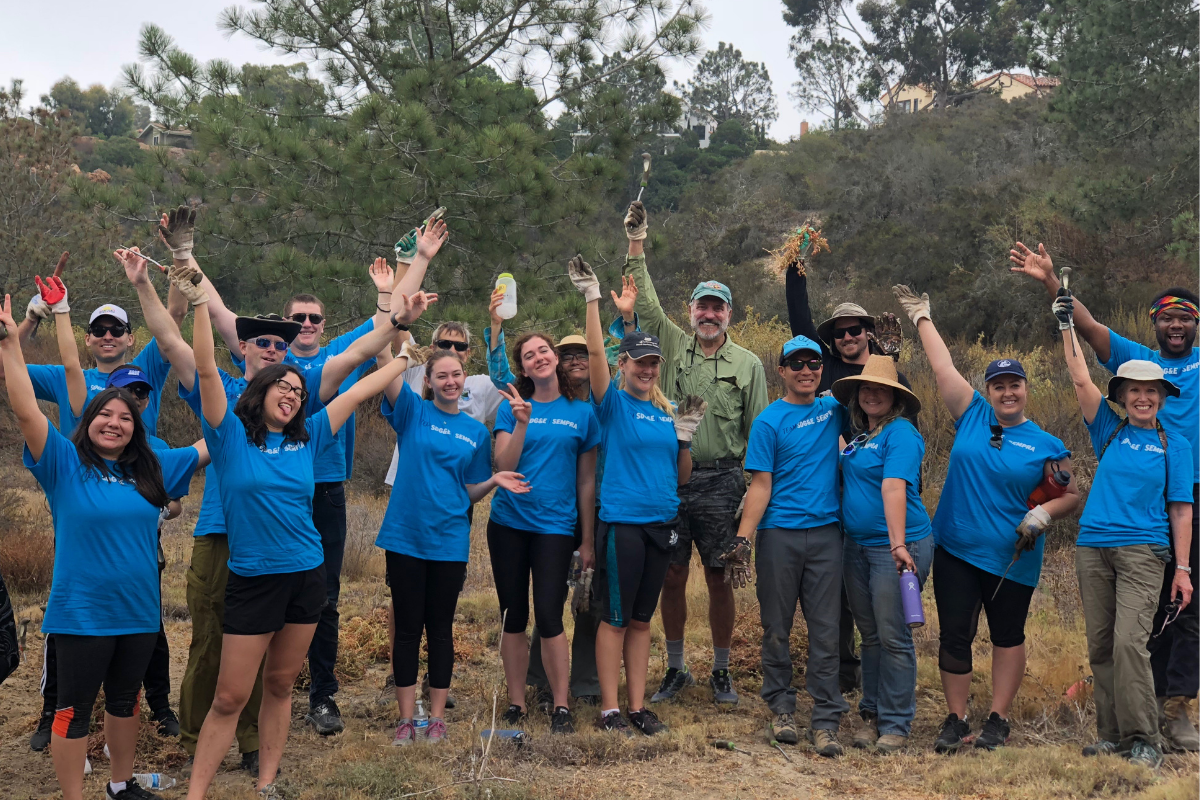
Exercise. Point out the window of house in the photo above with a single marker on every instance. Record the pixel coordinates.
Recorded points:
(700, 132)
(904, 106)
(916, 105)
(156, 138)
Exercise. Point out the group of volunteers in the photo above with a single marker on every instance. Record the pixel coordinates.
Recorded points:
(609, 479)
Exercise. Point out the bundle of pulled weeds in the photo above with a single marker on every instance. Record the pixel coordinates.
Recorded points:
(802, 245)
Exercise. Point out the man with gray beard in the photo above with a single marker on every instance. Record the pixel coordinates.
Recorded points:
(706, 363)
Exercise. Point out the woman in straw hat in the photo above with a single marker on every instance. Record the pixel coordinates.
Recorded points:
(887, 531)
(1139, 506)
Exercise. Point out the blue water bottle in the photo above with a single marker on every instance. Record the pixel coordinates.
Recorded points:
(910, 598)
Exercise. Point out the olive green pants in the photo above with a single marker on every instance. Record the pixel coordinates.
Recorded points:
(206, 579)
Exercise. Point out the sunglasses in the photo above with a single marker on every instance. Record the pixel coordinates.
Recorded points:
(315, 319)
(117, 329)
(797, 364)
(853, 330)
(448, 344)
(1170, 614)
(284, 386)
(855, 443)
(139, 390)
(267, 344)
(567, 358)
(997, 439)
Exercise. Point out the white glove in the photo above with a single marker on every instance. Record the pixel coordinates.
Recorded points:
(37, 310)
(584, 278)
(187, 281)
(916, 307)
(688, 416)
(1032, 526)
(636, 221)
(416, 355)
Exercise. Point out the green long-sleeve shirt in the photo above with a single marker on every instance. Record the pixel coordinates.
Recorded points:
(731, 380)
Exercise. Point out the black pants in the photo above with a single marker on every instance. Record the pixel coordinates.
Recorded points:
(518, 554)
(157, 680)
(1175, 655)
(87, 662)
(424, 597)
(329, 517)
(961, 591)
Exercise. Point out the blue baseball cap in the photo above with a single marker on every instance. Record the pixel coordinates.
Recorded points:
(796, 345)
(712, 289)
(127, 376)
(1004, 366)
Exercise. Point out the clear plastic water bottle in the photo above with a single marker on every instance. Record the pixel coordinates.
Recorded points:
(421, 721)
(154, 780)
(575, 573)
(508, 306)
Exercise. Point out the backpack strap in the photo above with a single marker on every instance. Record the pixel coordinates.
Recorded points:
(1116, 432)
(1162, 438)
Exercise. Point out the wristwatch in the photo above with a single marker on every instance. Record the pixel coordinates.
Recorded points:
(1182, 568)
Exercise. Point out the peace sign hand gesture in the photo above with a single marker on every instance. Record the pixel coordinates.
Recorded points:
(521, 408)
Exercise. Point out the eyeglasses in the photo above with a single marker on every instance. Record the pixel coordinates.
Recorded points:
(117, 329)
(447, 344)
(853, 330)
(286, 387)
(797, 364)
(1170, 614)
(567, 358)
(855, 443)
(315, 319)
(139, 390)
(267, 344)
(997, 439)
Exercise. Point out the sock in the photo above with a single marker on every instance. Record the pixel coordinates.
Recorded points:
(720, 658)
(675, 654)
(608, 711)
(116, 788)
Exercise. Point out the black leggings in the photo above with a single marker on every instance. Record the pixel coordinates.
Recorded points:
(86, 662)
(636, 568)
(961, 590)
(424, 596)
(516, 553)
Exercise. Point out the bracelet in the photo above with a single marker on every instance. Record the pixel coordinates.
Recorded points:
(1182, 568)
(384, 310)
(384, 293)
(897, 547)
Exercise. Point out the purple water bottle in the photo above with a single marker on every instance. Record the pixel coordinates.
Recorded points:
(910, 598)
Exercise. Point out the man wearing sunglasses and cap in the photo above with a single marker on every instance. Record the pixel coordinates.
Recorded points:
(706, 363)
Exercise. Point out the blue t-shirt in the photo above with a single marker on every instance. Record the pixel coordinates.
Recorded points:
(50, 384)
(640, 483)
(105, 541)
(270, 490)
(439, 454)
(1128, 500)
(985, 495)
(1179, 414)
(896, 452)
(798, 445)
(557, 434)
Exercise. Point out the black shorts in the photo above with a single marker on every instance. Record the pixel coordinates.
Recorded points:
(636, 560)
(961, 590)
(265, 603)
(707, 504)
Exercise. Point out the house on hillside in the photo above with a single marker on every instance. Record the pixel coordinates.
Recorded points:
(1009, 85)
(158, 135)
(701, 124)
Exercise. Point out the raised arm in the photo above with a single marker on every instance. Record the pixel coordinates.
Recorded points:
(800, 318)
(1039, 267)
(30, 419)
(430, 239)
(650, 311)
(342, 406)
(177, 231)
(53, 293)
(499, 369)
(588, 284)
(955, 391)
(162, 327)
(368, 346)
(213, 402)
(1089, 396)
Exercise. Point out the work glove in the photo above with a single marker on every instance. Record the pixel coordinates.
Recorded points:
(888, 335)
(1032, 526)
(406, 248)
(688, 416)
(415, 354)
(1064, 309)
(186, 279)
(737, 562)
(37, 310)
(53, 293)
(636, 221)
(584, 278)
(916, 307)
(581, 595)
(179, 232)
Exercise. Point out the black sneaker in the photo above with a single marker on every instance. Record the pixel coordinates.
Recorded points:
(994, 733)
(325, 717)
(615, 723)
(561, 722)
(674, 682)
(647, 722)
(722, 687)
(249, 762)
(954, 734)
(132, 791)
(168, 723)
(40, 739)
(515, 715)
(545, 700)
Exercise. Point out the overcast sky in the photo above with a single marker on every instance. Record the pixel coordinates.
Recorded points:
(90, 40)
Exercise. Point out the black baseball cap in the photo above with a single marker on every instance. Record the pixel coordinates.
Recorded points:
(639, 345)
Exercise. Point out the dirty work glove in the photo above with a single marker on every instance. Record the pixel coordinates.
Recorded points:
(415, 354)
(53, 293)
(581, 595)
(179, 232)
(187, 280)
(687, 417)
(636, 221)
(584, 278)
(1064, 309)
(1032, 526)
(916, 307)
(406, 248)
(737, 563)
(888, 335)
(37, 310)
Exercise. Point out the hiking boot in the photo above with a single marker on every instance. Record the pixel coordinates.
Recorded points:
(783, 728)
(866, 736)
(647, 722)
(132, 791)
(515, 715)
(825, 742)
(437, 730)
(406, 734)
(168, 723)
(615, 723)
(40, 739)
(1145, 754)
(545, 700)
(674, 682)
(1179, 734)
(722, 687)
(249, 762)
(387, 695)
(561, 722)
(1100, 748)
(425, 692)
(325, 717)
(891, 743)
(994, 734)
(954, 734)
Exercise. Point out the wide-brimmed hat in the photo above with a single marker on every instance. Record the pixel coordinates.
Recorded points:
(267, 325)
(880, 370)
(573, 339)
(1139, 371)
(844, 311)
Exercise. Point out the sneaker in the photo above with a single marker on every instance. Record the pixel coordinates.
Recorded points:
(387, 695)
(437, 730)
(891, 743)
(133, 791)
(270, 791)
(545, 700)
(868, 735)
(249, 762)
(40, 739)
(647, 722)
(168, 723)
(994, 733)
(825, 742)
(674, 682)
(425, 691)
(325, 717)
(406, 734)
(954, 734)
(561, 721)
(1145, 754)
(1100, 748)
(722, 687)
(588, 699)
(613, 722)
(783, 728)
(1178, 732)
(515, 715)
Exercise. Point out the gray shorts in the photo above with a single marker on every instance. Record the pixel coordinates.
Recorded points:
(707, 504)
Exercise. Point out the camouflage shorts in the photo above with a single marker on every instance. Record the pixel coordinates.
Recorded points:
(707, 504)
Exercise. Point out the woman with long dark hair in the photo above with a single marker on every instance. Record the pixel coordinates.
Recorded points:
(548, 436)
(106, 488)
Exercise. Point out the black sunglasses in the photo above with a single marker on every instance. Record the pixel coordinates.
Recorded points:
(284, 386)
(448, 344)
(567, 358)
(997, 440)
(139, 390)
(117, 329)
(797, 364)
(853, 330)
(315, 319)
(267, 344)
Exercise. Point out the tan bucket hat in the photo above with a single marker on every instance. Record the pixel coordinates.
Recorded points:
(845, 310)
(574, 338)
(1139, 371)
(880, 370)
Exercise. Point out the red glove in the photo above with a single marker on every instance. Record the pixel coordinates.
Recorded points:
(52, 291)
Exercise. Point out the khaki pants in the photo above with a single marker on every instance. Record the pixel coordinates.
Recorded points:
(1119, 587)
(206, 579)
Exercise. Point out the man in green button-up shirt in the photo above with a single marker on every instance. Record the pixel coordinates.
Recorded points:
(705, 362)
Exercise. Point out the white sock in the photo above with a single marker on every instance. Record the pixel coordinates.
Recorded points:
(116, 788)
(608, 711)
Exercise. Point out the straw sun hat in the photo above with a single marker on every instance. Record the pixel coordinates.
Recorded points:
(880, 370)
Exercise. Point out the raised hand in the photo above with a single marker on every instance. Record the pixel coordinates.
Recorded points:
(512, 481)
(636, 221)
(494, 304)
(415, 354)
(688, 416)
(1063, 309)
(37, 310)
(628, 298)
(584, 278)
(888, 335)
(521, 408)
(177, 230)
(7, 322)
(431, 238)
(406, 247)
(134, 264)
(917, 307)
(1036, 265)
(186, 279)
(382, 275)
(53, 293)
(407, 310)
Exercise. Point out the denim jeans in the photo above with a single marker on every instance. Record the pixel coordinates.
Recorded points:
(889, 659)
(329, 517)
